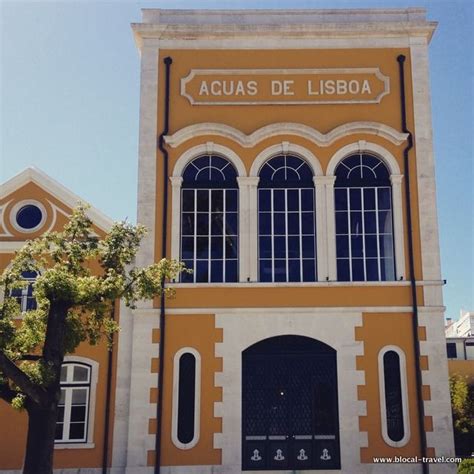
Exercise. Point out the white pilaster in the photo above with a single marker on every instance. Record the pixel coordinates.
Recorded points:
(321, 218)
(252, 185)
(176, 182)
(398, 234)
(331, 228)
(425, 161)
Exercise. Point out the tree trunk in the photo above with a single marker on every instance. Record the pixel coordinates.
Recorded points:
(40, 442)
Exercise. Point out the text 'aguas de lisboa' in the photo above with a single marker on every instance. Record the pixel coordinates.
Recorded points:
(242, 88)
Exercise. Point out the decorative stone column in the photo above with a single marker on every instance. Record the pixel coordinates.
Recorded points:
(321, 238)
(398, 233)
(328, 182)
(248, 228)
(176, 182)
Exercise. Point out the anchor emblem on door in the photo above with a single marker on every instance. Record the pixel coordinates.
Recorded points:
(279, 455)
(256, 455)
(325, 456)
(302, 456)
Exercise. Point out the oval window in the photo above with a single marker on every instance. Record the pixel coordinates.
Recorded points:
(393, 396)
(186, 398)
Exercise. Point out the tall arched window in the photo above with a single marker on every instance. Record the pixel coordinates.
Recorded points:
(364, 229)
(209, 220)
(287, 226)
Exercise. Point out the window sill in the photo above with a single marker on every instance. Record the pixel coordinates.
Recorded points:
(313, 284)
(74, 445)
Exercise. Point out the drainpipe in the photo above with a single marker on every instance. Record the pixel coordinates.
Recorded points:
(415, 323)
(161, 145)
(108, 395)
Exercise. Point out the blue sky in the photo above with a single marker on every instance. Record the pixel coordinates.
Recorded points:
(69, 96)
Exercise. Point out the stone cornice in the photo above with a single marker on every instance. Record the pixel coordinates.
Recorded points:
(283, 24)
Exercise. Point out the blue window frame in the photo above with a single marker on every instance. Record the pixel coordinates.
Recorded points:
(287, 225)
(209, 220)
(364, 222)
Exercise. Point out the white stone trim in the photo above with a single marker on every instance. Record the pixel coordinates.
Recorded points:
(404, 390)
(286, 309)
(176, 183)
(73, 446)
(94, 377)
(321, 230)
(247, 229)
(426, 183)
(206, 149)
(11, 246)
(285, 148)
(399, 233)
(284, 128)
(25, 202)
(147, 153)
(439, 405)
(141, 381)
(283, 72)
(330, 227)
(54, 188)
(197, 399)
(249, 328)
(122, 387)
(282, 28)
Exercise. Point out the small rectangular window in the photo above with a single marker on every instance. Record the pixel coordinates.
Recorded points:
(451, 350)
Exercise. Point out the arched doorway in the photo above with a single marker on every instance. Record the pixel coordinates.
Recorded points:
(289, 405)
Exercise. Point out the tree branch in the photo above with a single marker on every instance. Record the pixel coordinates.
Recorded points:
(7, 393)
(17, 376)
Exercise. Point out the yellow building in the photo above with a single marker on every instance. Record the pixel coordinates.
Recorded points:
(286, 157)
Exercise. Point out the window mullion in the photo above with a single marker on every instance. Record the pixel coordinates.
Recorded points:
(67, 413)
(300, 219)
(379, 262)
(364, 256)
(209, 215)
(195, 237)
(286, 236)
(349, 231)
(224, 227)
(272, 214)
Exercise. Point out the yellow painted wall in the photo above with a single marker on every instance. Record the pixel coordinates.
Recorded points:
(198, 332)
(465, 368)
(321, 116)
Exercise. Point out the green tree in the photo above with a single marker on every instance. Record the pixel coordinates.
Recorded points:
(74, 304)
(462, 404)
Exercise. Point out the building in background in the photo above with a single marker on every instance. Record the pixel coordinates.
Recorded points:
(460, 345)
(286, 157)
(463, 327)
(31, 204)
